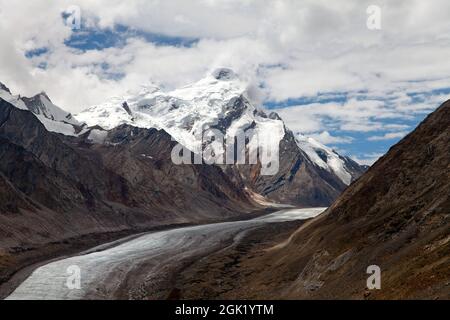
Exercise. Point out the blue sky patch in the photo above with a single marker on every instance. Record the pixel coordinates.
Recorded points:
(36, 52)
(99, 39)
(363, 145)
(336, 97)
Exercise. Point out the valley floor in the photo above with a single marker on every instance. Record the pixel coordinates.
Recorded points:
(17, 264)
(191, 262)
(235, 272)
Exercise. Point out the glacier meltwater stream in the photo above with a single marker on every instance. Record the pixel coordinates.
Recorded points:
(104, 270)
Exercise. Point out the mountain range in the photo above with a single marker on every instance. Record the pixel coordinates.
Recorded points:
(310, 173)
(108, 169)
(70, 181)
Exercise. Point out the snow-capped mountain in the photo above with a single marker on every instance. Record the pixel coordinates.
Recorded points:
(4, 88)
(15, 100)
(326, 158)
(309, 173)
(52, 117)
(185, 113)
(41, 105)
(218, 101)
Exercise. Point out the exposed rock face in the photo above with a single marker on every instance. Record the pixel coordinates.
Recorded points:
(298, 181)
(396, 216)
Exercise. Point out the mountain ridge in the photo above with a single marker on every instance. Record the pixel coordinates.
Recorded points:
(220, 102)
(216, 102)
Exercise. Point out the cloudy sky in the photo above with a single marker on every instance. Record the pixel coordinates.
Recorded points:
(316, 62)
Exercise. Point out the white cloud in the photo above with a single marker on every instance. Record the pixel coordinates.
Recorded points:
(352, 115)
(388, 136)
(311, 46)
(326, 138)
(368, 159)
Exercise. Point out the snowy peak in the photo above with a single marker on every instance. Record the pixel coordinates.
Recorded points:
(41, 105)
(326, 158)
(6, 95)
(224, 74)
(51, 116)
(184, 113)
(4, 88)
(218, 101)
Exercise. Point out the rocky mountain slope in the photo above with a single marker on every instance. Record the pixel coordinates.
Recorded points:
(56, 187)
(396, 216)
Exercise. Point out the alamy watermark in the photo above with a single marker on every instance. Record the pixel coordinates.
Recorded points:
(73, 281)
(374, 280)
(243, 147)
(72, 17)
(373, 17)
